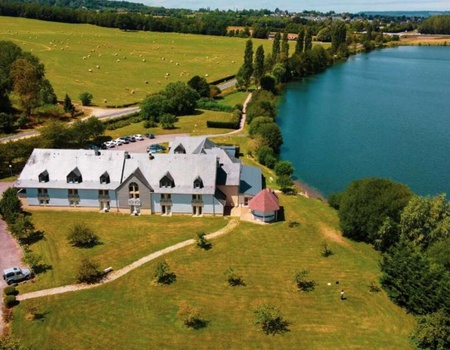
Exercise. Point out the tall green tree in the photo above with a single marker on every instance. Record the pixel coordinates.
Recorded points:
(245, 73)
(284, 50)
(308, 40)
(299, 44)
(258, 70)
(276, 47)
(367, 203)
(433, 331)
(339, 37)
(55, 134)
(10, 205)
(426, 220)
(180, 98)
(200, 85)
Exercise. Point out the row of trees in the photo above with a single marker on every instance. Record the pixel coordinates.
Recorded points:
(413, 232)
(436, 25)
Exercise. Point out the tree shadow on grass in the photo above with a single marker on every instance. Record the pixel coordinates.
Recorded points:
(42, 268)
(167, 279)
(35, 237)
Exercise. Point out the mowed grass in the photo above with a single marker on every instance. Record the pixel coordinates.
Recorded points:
(124, 239)
(125, 60)
(191, 124)
(133, 313)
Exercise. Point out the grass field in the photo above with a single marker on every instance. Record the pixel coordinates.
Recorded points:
(133, 313)
(126, 60)
(123, 240)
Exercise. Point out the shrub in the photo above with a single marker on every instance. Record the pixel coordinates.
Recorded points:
(270, 320)
(222, 125)
(149, 124)
(10, 290)
(88, 272)
(292, 224)
(302, 283)
(233, 278)
(82, 236)
(190, 317)
(202, 242)
(334, 200)
(163, 275)
(326, 251)
(86, 98)
(10, 301)
(374, 288)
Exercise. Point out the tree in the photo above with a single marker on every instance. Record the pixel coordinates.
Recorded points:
(426, 220)
(433, 331)
(23, 227)
(163, 275)
(268, 317)
(258, 65)
(245, 73)
(301, 281)
(10, 205)
(88, 272)
(233, 278)
(299, 41)
(285, 183)
(412, 281)
(284, 50)
(439, 253)
(55, 134)
(276, 47)
(68, 106)
(271, 135)
(82, 236)
(180, 99)
(167, 121)
(86, 98)
(202, 242)
(365, 205)
(6, 122)
(339, 37)
(266, 156)
(256, 124)
(279, 72)
(308, 40)
(284, 168)
(26, 78)
(200, 85)
(190, 316)
(268, 83)
(153, 106)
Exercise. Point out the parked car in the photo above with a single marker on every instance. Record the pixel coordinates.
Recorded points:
(155, 148)
(109, 144)
(131, 138)
(124, 140)
(150, 135)
(16, 274)
(138, 137)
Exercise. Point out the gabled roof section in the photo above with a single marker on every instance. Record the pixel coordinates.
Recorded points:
(44, 176)
(192, 144)
(179, 149)
(167, 181)
(265, 201)
(74, 176)
(198, 182)
(251, 180)
(137, 173)
(104, 178)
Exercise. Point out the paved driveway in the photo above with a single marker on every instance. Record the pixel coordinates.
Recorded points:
(10, 252)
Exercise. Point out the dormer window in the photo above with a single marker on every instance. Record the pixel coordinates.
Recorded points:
(104, 178)
(74, 177)
(198, 183)
(167, 181)
(43, 177)
(180, 149)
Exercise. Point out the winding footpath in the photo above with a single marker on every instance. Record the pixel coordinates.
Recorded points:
(233, 223)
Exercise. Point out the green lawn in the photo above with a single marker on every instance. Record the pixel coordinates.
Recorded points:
(69, 51)
(133, 313)
(124, 239)
(190, 124)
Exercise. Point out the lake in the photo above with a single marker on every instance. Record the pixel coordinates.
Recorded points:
(382, 114)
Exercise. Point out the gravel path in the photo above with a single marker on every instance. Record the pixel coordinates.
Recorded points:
(119, 273)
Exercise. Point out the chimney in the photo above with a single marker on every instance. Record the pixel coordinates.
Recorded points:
(126, 155)
(97, 152)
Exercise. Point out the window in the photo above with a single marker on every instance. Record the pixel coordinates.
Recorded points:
(133, 190)
(43, 196)
(74, 176)
(198, 183)
(102, 192)
(104, 178)
(166, 196)
(44, 177)
(167, 181)
(196, 197)
(74, 199)
(180, 149)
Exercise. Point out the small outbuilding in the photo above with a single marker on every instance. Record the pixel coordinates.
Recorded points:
(265, 206)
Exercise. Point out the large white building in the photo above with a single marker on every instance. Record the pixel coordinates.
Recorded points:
(196, 177)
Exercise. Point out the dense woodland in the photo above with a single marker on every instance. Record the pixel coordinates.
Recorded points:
(436, 25)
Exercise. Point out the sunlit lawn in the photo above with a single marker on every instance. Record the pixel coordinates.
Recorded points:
(125, 60)
(133, 313)
(124, 239)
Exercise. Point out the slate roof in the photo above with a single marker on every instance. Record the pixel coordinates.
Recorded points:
(265, 201)
(192, 144)
(250, 180)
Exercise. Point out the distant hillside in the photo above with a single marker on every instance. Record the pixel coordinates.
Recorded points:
(405, 13)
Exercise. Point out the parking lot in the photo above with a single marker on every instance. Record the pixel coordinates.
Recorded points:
(141, 146)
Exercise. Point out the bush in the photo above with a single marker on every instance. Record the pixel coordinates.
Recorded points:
(302, 283)
(266, 156)
(82, 236)
(270, 320)
(233, 278)
(190, 317)
(10, 290)
(334, 200)
(10, 301)
(163, 275)
(202, 242)
(86, 98)
(89, 272)
(222, 125)
(150, 124)
(326, 251)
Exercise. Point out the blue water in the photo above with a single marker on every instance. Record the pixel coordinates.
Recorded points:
(382, 114)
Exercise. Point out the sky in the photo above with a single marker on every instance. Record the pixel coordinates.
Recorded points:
(352, 6)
